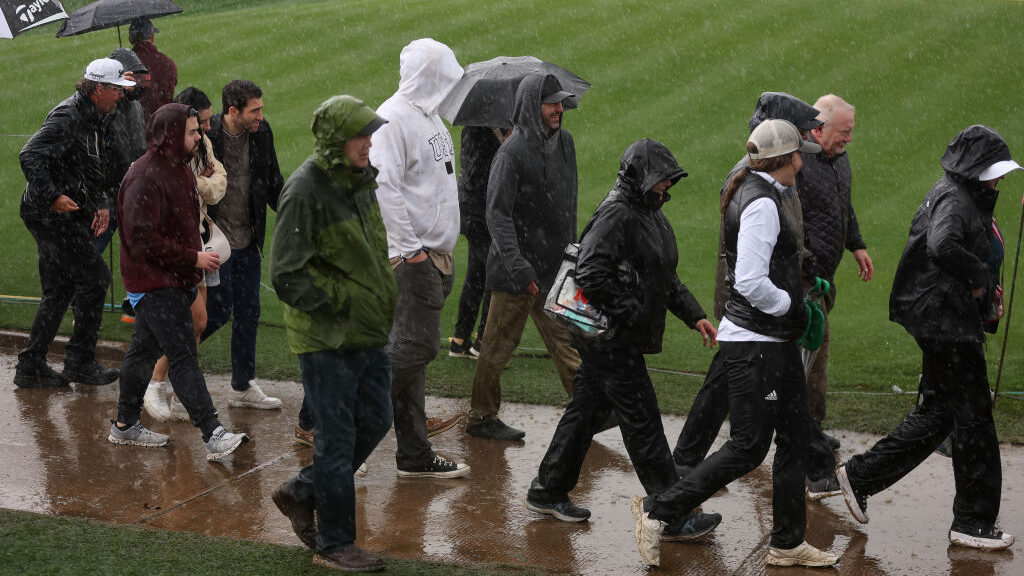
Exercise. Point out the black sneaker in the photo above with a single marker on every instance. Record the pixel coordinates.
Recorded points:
(693, 525)
(92, 373)
(824, 488)
(857, 503)
(565, 511)
(988, 538)
(300, 514)
(439, 467)
(29, 375)
(476, 348)
(463, 350)
(495, 429)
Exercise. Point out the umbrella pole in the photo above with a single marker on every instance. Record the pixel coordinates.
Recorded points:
(119, 45)
(1009, 308)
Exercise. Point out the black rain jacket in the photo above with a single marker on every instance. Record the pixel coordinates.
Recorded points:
(266, 174)
(946, 255)
(628, 254)
(531, 198)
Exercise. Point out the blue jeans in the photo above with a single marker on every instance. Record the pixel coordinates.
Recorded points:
(238, 293)
(349, 395)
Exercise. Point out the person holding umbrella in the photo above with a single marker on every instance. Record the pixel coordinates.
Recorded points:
(531, 215)
(163, 71)
(936, 296)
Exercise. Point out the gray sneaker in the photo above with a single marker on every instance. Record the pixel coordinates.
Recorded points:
(222, 443)
(137, 435)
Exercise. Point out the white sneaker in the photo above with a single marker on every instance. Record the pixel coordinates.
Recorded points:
(222, 443)
(647, 532)
(802, 555)
(362, 471)
(178, 412)
(253, 398)
(155, 401)
(991, 538)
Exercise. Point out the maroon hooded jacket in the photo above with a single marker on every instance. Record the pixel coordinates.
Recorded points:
(158, 210)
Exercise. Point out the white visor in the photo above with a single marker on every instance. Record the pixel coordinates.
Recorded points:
(998, 170)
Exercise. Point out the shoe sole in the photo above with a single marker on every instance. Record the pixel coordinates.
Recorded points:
(787, 561)
(89, 381)
(216, 456)
(254, 405)
(452, 474)
(321, 561)
(976, 542)
(124, 442)
(552, 512)
(448, 426)
(276, 497)
(461, 355)
(511, 438)
(851, 499)
(362, 471)
(637, 508)
(819, 496)
(38, 383)
(688, 537)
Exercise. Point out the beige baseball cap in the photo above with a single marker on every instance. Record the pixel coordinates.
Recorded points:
(777, 138)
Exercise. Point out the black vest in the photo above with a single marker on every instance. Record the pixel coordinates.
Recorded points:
(783, 268)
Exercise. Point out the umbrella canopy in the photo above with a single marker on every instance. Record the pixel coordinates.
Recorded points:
(16, 16)
(486, 94)
(110, 13)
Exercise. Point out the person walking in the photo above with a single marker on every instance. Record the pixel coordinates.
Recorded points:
(759, 355)
(163, 72)
(936, 293)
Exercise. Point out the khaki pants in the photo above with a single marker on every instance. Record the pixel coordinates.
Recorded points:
(506, 319)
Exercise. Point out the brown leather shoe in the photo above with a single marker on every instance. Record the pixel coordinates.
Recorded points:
(436, 426)
(300, 515)
(303, 436)
(351, 558)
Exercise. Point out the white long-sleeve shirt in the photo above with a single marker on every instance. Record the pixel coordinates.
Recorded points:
(758, 234)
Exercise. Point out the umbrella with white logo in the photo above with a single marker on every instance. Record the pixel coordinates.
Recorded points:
(21, 15)
(111, 13)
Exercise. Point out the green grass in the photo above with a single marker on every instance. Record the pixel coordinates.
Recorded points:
(34, 544)
(686, 73)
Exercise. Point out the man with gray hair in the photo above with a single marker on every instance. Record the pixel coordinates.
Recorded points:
(830, 227)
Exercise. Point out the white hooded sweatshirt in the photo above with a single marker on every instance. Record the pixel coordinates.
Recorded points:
(416, 186)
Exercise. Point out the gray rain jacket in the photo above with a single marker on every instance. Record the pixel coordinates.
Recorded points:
(531, 198)
(945, 258)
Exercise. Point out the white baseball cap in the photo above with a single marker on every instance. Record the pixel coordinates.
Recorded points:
(776, 137)
(998, 170)
(107, 71)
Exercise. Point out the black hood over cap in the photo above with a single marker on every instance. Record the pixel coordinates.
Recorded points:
(972, 150)
(645, 163)
(783, 106)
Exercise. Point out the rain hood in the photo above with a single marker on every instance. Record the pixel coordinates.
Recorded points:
(335, 122)
(165, 132)
(645, 163)
(526, 117)
(428, 71)
(975, 148)
(782, 106)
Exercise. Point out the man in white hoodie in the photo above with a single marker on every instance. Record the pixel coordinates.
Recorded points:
(418, 197)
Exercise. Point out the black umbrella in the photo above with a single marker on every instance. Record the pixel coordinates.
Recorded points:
(486, 94)
(110, 13)
(16, 16)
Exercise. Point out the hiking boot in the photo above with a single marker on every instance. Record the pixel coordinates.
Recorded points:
(298, 513)
(692, 526)
(351, 558)
(495, 429)
(37, 375)
(857, 504)
(463, 350)
(833, 442)
(90, 373)
(439, 467)
(647, 533)
(253, 397)
(362, 471)
(302, 436)
(136, 435)
(222, 443)
(565, 511)
(156, 403)
(989, 538)
(825, 488)
(802, 555)
(436, 426)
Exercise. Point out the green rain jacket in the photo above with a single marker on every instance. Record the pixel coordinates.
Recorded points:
(329, 260)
